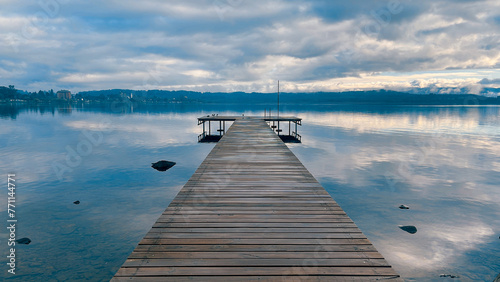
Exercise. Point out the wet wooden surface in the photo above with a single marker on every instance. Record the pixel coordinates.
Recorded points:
(252, 212)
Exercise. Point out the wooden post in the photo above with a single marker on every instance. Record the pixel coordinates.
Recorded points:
(278, 102)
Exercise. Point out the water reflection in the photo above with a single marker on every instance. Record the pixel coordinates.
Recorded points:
(443, 162)
(64, 109)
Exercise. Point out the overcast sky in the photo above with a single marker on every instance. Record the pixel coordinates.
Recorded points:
(243, 45)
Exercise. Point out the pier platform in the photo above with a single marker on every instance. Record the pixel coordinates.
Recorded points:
(252, 212)
(213, 133)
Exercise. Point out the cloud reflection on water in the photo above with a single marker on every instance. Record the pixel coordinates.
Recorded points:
(445, 166)
(445, 162)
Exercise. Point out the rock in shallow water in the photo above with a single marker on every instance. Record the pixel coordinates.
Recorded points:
(449, 275)
(162, 165)
(408, 228)
(25, 241)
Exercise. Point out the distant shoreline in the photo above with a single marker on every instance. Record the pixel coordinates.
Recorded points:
(372, 97)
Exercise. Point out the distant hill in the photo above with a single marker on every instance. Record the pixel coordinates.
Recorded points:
(352, 97)
(383, 97)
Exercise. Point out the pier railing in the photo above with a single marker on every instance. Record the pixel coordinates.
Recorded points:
(214, 134)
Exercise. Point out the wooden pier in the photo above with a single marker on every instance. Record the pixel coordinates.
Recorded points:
(210, 135)
(252, 212)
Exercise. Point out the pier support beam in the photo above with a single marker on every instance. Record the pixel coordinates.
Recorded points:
(275, 124)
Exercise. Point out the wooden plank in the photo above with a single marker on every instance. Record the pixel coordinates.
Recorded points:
(265, 226)
(351, 229)
(258, 270)
(250, 220)
(203, 203)
(257, 208)
(255, 255)
(252, 262)
(260, 217)
(251, 193)
(253, 241)
(252, 212)
(253, 201)
(256, 248)
(234, 212)
(247, 235)
(261, 227)
(261, 278)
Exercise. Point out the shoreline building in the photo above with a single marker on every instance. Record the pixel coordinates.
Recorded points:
(64, 94)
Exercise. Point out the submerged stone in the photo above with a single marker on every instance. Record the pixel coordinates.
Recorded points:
(162, 165)
(408, 228)
(24, 241)
(449, 275)
(404, 207)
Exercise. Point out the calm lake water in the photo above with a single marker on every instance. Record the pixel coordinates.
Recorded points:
(443, 162)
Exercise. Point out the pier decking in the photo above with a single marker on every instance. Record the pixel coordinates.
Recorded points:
(252, 212)
(207, 135)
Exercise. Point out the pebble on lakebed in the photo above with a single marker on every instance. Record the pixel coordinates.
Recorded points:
(449, 275)
(24, 241)
(162, 165)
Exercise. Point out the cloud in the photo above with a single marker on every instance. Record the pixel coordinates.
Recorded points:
(243, 45)
(490, 81)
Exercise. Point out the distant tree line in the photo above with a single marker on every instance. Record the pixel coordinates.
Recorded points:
(8, 92)
(164, 96)
(11, 93)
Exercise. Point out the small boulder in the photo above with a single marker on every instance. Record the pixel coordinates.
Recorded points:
(408, 228)
(25, 241)
(404, 207)
(449, 275)
(162, 165)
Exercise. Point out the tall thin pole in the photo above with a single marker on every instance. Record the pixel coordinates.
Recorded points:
(278, 99)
